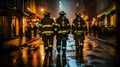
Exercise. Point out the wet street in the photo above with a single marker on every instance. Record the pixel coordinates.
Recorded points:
(59, 33)
(33, 55)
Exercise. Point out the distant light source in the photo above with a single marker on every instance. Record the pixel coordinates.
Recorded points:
(60, 5)
(54, 18)
(33, 20)
(82, 15)
(77, 4)
(42, 10)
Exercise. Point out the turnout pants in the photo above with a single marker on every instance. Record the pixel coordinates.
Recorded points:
(79, 39)
(48, 42)
(61, 42)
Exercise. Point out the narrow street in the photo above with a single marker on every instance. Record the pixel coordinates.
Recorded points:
(59, 33)
(31, 56)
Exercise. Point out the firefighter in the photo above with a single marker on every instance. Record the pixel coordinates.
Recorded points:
(63, 30)
(79, 29)
(46, 31)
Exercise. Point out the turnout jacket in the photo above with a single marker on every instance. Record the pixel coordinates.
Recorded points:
(79, 26)
(46, 26)
(62, 25)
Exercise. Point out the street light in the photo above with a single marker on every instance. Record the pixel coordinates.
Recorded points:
(42, 9)
(60, 5)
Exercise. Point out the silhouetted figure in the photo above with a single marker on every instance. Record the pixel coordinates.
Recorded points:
(35, 28)
(21, 32)
(46, 29)
(28, 32)
(58, 62)
(79, 30)
(63, 30)
(96, 30)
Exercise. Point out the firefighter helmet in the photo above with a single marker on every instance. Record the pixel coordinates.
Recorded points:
(62, 12)
(77, 14)
(47, 13)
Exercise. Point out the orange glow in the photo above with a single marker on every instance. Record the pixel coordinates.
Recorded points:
(14, 17)
(85, 17)
(82, 16)
(54, 18)
(35, 60)
(24, 55)
(42, 9)
(34, 20)
(100, 15)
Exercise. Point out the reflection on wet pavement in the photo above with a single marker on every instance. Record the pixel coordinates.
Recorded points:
(98, 52)
(95, 53)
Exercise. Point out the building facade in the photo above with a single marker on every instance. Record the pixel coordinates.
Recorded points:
(14, 16)
(106, 13)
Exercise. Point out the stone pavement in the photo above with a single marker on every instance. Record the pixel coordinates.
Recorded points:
(98, 52)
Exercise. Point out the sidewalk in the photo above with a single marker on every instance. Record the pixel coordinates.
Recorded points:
(14, 44)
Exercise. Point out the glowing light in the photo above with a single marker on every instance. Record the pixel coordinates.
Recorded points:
(60, 2)
(54, 18)
(100, 15)
(60, 5)
(42, 9)
(34, 20)
(82, 16)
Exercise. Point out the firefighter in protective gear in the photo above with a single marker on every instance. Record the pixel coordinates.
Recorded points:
(63, 28)
(79, 29)
(46, 31)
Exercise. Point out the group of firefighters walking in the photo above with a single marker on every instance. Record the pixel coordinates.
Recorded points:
(61, 28)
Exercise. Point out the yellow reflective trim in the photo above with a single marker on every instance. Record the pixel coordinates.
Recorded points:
(47, 32)
(56, 24)
(63, 47)
(59, 31)
(73, 24)
(84, 25)
(46, 26)
(81, 44)
(75, 31)
(58, 46)
(50, 45)
(40, 24)
(46, 47)
(53, 23)
(79, 31)
(39, 31)
(68, 24)
(55, 29)
(64, 31)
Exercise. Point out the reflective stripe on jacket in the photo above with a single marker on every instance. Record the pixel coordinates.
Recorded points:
(47, 32)
(44, 26)
(62, 31)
